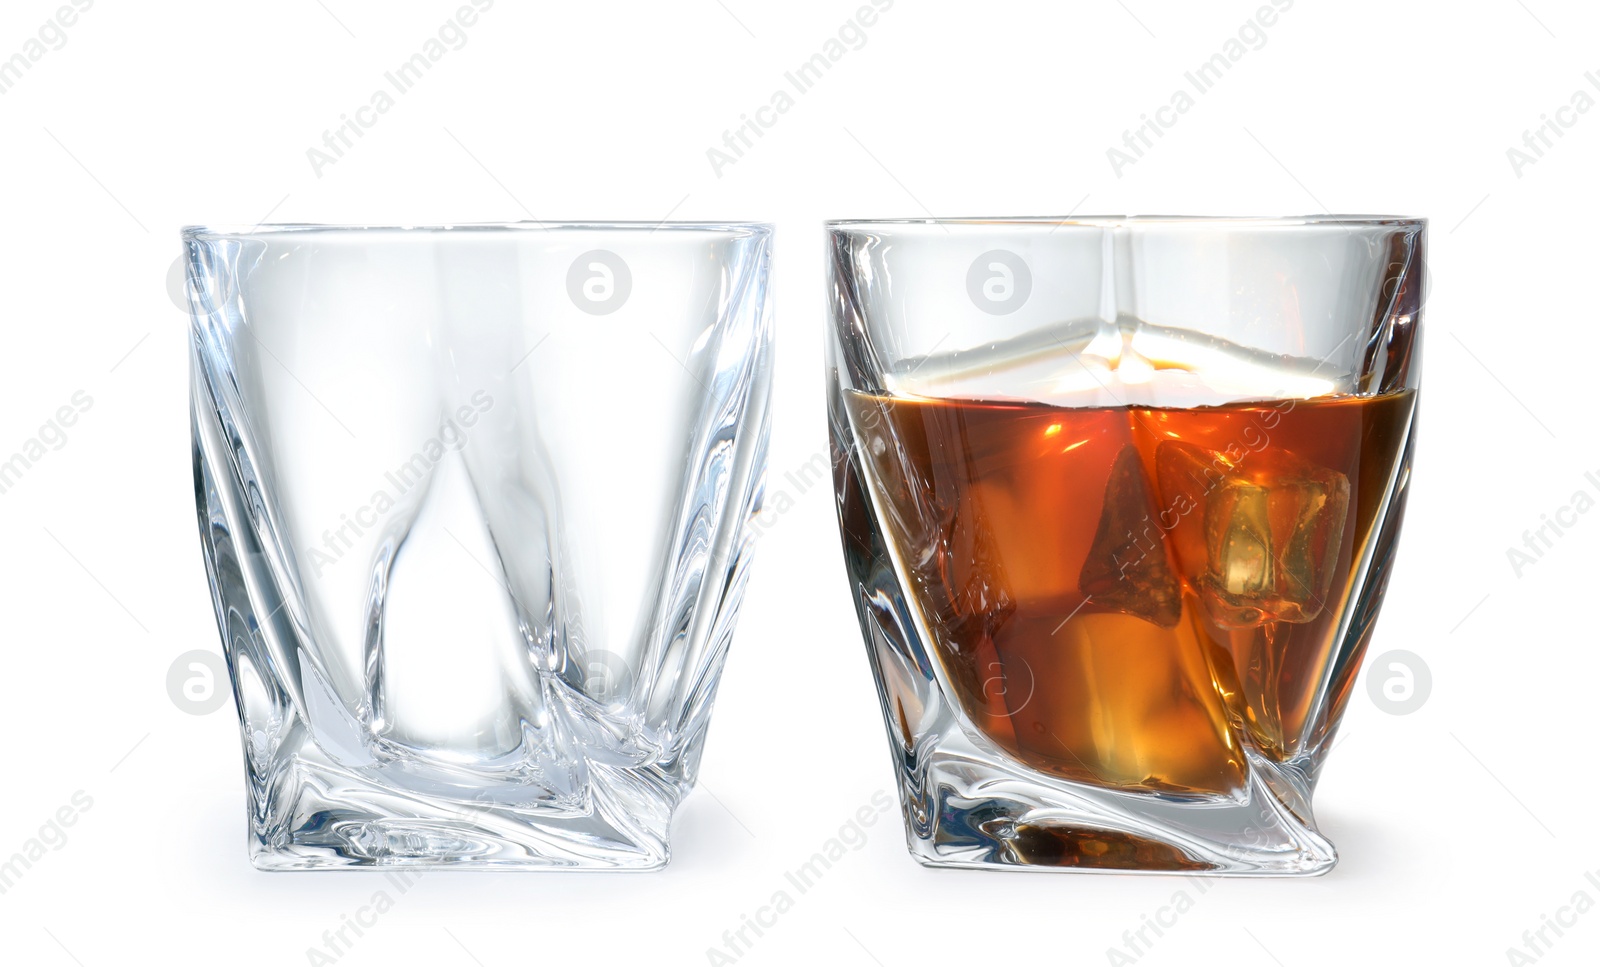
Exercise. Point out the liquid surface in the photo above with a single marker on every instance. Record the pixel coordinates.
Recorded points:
(1126, 595)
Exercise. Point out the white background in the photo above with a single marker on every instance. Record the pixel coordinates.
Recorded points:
(1459, 825)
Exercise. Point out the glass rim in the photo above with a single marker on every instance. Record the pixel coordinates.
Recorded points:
(735, 229)
(1110, 221)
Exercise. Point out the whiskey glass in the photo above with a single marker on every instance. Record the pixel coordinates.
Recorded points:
(1119, 500)
(476, 503)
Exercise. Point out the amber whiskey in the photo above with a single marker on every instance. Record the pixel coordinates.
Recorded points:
(1133, 596)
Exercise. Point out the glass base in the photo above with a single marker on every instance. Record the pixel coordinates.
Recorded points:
(970, 810)
(315, 817)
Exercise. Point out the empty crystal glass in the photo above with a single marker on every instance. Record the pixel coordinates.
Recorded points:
(1119, 498)
(475, 504)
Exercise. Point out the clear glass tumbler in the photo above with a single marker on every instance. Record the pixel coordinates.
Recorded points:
(1119, 498)
(475, 503)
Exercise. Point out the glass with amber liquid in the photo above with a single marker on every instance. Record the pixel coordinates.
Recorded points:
(1117, 557)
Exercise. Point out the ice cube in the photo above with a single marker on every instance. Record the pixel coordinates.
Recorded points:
(1127, 568)
(1257, 534)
